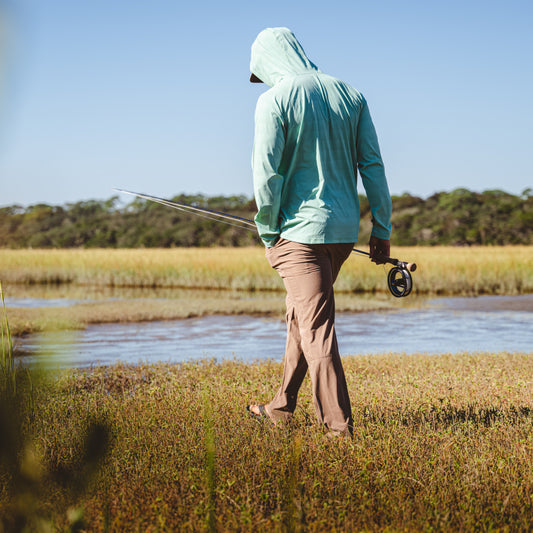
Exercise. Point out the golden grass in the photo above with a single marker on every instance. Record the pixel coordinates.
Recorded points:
(217, 268)
(441, 443)
(442, 270)
(473, 270)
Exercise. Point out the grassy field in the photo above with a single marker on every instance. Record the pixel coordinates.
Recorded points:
(441, 443)
(442, 270)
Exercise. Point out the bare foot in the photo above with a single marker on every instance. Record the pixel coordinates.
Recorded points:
(254, 409)
(258, 412)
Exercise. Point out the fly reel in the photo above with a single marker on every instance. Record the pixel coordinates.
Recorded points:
(400, 281)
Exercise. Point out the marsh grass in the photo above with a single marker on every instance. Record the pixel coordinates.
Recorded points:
(441, 443)
(442, 270)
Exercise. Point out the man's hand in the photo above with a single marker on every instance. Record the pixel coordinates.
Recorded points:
(379, 248)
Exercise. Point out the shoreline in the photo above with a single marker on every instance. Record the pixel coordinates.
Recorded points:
(28, 320)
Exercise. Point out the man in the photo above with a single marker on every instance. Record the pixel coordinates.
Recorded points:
(312, 133)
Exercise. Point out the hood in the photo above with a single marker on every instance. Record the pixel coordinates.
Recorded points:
(276, 53)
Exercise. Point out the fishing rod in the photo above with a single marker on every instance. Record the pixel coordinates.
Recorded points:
(399, 279)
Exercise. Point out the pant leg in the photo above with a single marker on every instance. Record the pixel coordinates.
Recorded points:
(283, 404)
(308, 272)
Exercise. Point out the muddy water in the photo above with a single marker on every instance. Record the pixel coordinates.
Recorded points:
(492, 324)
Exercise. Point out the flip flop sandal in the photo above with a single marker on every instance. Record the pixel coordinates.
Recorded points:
(262, 416)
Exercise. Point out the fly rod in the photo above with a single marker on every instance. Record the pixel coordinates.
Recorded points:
(399, 279)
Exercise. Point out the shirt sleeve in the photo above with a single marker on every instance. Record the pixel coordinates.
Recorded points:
(269, 142)
(372, 172)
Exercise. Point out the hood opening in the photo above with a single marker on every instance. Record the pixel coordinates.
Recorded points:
(276, 54)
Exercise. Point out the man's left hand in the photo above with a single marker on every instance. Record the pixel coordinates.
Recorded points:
(379, 249)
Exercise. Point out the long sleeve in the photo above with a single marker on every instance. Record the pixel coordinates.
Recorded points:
(372, 172)
(269, 141)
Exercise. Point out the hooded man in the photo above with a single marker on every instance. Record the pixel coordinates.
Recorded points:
(312, 134)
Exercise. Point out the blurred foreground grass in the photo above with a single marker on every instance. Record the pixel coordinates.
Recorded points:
(441, 443)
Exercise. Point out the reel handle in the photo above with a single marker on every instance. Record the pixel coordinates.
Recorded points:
(411, 267)
(402, 264)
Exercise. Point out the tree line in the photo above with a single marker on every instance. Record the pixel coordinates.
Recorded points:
(459, 217)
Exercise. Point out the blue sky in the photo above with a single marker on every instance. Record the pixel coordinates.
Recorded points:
(154, 96)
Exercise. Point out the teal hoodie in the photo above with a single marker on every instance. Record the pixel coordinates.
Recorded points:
(312, 133)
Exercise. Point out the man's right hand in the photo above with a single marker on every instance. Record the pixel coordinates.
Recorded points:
(379, 248)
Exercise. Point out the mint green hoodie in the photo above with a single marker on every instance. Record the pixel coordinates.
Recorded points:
(312, 133)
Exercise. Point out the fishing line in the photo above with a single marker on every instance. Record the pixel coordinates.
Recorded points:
(247, 223)
(204, 215)
(399, 279)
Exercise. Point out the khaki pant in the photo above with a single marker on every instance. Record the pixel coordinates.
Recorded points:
(308, 272)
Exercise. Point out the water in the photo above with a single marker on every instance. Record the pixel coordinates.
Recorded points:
(445, 325)
(43, 302)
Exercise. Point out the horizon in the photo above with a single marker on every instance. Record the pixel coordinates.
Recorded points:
(121, 197)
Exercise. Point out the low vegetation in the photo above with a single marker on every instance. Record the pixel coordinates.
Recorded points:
(441, 443)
